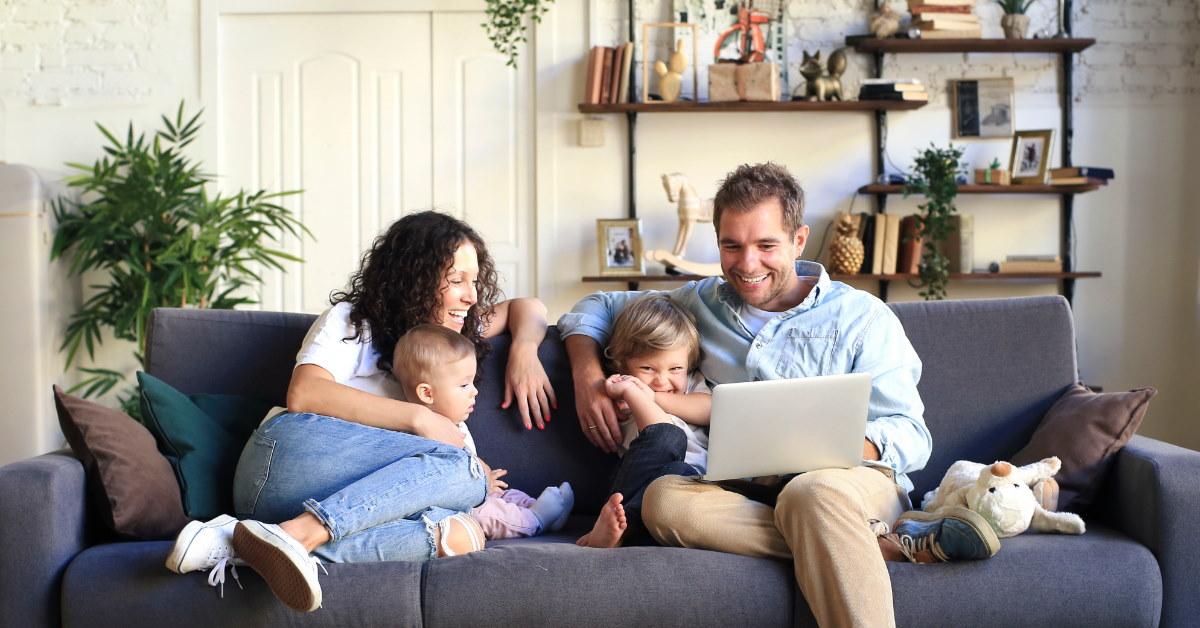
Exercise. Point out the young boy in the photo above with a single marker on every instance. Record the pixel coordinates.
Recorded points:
(436, 368)
(655, 350)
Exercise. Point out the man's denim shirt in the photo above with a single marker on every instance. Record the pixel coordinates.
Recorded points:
(836, 329)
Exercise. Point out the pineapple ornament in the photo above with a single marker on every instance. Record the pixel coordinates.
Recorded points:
(846, 254)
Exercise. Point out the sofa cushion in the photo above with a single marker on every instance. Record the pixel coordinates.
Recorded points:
(1101, 578)
(130, 485)
(1085, 430)
(549, 581)
(990, 370)
(202, 436)
(126, 585)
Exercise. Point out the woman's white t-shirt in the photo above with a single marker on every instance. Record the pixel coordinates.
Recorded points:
(353, 362)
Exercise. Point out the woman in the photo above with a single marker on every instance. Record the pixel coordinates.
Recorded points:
(387, 479)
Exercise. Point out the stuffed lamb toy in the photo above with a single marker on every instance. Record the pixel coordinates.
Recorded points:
(1012, 499)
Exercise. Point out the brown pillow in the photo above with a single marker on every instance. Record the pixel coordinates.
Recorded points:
(130, 484)
(1085, 430)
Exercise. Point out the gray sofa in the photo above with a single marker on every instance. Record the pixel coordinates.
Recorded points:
(992, 368)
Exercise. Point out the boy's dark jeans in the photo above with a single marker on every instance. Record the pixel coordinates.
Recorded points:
(657, 451)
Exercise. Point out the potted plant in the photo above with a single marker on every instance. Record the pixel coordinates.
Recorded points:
(1014, 22)
(146, 220)
(935, 175)
(505, 23)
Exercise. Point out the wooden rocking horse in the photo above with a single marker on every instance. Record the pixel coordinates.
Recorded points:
(691, 211)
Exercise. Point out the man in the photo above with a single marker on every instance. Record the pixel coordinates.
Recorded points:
(773, 317)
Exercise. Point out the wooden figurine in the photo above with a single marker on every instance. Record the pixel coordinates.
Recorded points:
(691, 209)
(885, 22)
(670, 74)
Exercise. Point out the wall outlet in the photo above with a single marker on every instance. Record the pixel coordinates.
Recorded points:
(591, 132)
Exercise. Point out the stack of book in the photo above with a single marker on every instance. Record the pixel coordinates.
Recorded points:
(945, 19)
(1081, 175)
(1031, 264)
(892, 89)
(608, 74)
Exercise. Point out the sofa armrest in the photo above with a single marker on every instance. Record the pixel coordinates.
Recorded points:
(1153, 496)
(43, 525)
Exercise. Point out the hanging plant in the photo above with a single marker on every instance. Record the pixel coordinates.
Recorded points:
(935, 175)
(505, 23)
(147, 221)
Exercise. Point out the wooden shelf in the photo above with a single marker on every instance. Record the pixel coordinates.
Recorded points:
(740, 106)
(866, 277)
(969, 45)
(880, 188)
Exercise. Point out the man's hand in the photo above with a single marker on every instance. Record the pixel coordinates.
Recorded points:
(434, 426)
(526, 380)
(870, 451)
(597, 414)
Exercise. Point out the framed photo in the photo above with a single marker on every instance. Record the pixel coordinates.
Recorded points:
(620, 246)
(982, 107)
(1030, 155)
(648, 56)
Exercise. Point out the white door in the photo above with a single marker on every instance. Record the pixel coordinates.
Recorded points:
(374, 115)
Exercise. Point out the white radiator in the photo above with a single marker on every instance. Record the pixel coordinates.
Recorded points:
(36, 300)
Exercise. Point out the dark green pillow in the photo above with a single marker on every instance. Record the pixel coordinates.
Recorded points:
(202, 436)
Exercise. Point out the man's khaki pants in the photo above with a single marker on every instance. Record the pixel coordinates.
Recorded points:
(825, 521)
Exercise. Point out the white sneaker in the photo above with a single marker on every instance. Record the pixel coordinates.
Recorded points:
(282, 561)
(201, 546)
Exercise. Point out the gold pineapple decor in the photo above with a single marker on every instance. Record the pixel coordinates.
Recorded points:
(846, 254)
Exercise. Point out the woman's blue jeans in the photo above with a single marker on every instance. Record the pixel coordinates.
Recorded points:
(380, 493)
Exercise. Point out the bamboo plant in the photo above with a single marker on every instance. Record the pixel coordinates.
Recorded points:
(148, 222)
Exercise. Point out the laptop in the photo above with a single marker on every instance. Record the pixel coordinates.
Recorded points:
(787, 426)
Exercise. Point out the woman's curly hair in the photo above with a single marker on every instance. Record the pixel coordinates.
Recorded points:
(399, 283)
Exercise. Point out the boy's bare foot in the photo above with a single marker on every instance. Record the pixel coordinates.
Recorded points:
(610, 525)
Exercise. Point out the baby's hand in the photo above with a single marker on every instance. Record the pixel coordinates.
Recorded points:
(642, 386)
(495, 485)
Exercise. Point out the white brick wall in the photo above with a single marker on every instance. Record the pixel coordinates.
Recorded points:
(77, 51)
(1146, 50)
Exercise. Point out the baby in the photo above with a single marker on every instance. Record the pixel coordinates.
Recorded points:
(436, 368)
(655, 350)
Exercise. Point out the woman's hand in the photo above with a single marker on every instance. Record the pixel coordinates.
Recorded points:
(431, 425)
(526, 380)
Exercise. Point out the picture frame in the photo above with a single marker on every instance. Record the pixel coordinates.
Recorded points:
(982, 108)
(619, 243)
(647, 57)
(1030, 155)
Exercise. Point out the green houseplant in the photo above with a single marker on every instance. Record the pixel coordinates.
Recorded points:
(505, 23)
(1014, 22)
(935, 175)
(147, 221)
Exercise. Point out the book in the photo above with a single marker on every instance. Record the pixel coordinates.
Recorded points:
(913, 96)
(961, 9)
(1033, 266)
(891, 243)
(908, 257)
(1083, 171)
(878, 243)
(1047, 257)
(626, 63)
(895, 87)
(889, 81)
(614, 81)
(968, 18)
(866, 234)
(944, 25)
(974, 33)
(1076, 181)
(594, 73)
(941, 3)
(958, 247)
(606, 74)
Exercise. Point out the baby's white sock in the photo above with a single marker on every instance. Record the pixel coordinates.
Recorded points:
(553, 506)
